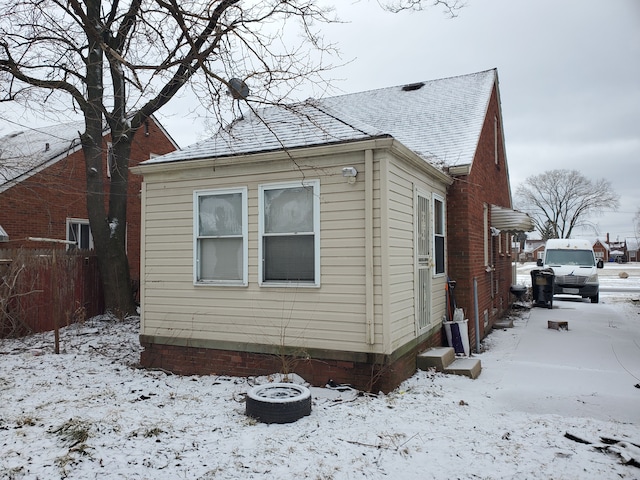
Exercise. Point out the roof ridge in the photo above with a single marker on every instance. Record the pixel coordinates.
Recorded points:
(424, 82)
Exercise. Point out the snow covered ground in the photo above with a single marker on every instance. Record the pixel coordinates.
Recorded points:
(89, 413)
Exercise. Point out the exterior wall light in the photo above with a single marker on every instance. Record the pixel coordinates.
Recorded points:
(350, 173)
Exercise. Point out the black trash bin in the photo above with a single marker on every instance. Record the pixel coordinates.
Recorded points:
(542, 287)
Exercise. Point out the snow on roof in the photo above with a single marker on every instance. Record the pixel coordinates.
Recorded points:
(274, 128)
(26, 151)
(440, 120)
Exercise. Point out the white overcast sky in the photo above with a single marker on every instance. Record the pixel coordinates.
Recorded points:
(569, 74)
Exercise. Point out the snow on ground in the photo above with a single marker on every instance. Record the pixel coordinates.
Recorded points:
(90, 413)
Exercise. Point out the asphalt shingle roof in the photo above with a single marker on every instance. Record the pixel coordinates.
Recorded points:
(26, 151)
(299, 125)
(440, 120)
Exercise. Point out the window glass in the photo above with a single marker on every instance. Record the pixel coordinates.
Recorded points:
(438, 217)
(288, 210)
(220, 214)
(220, 259)
(289, 258)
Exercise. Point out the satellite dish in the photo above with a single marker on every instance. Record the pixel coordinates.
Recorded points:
(238, 89)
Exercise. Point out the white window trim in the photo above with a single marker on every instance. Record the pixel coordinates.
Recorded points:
(485, 224)
(245, 243)
(315, 184)
(439, 198)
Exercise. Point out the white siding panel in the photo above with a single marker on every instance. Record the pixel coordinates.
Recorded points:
(330, 317)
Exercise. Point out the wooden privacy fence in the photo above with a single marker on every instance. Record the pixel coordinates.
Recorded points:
(40, 287)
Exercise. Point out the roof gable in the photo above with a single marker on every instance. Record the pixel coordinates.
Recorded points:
(439, 120)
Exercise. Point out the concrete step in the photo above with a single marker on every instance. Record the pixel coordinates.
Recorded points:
(444, 359)
(438, 358)
(503, 323)
(469, 367)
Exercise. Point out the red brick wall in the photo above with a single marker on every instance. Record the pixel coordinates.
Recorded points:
(40, 205)
(487, 183)
(371, 376)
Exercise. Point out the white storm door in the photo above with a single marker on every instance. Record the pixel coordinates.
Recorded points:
(423, 263)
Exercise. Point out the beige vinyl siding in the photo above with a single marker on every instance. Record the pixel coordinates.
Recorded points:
(401, 283)
(403, 180)
(329, 317)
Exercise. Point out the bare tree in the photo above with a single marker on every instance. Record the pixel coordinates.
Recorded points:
(561, 200)
(116, 62)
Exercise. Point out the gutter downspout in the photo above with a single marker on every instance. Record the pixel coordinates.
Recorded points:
(477, 315)
(368, 246)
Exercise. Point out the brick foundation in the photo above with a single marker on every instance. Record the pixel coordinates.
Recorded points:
(384, 374)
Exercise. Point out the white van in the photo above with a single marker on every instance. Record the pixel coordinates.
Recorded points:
(575, 267)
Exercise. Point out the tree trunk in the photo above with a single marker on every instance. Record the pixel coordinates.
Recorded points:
(107, 227)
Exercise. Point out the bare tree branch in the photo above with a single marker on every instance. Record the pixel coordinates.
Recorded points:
(450, 7)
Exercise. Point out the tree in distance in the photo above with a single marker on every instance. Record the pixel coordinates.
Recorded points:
(558, 201)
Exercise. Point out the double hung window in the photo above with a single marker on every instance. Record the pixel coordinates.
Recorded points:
(289, 233)
(438, 235)
(221, 237)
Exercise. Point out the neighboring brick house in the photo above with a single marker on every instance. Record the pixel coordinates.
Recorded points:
(43, 185)
(329, 228)
(601, 249)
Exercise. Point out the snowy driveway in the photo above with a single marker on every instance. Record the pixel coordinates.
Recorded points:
(588, 371)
